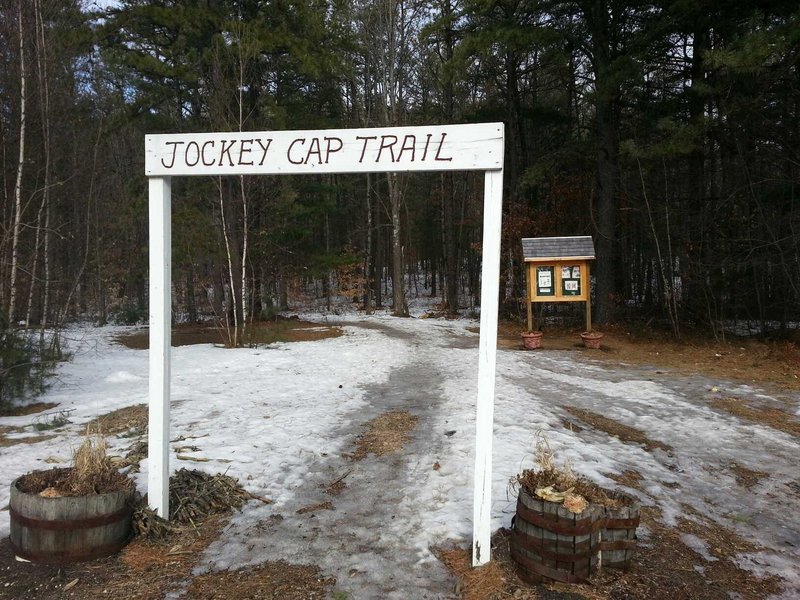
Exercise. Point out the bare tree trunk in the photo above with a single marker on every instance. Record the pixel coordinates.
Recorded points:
(368, 266)
(450, 234)
(77, 283)
(191, 302)
(12, 292)
(41, 61)
(605, 104)
(669, 292)
(244, 295)
(233, 335)
(400, 308)
(391, 116)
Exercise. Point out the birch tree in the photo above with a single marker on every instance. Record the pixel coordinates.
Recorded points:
(17, 224)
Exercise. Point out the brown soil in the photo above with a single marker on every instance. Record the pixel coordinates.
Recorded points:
(283, 330)
(63, 482)
(273, 580)
(772, 364)
(747, 478)
(667, 568)
(772, 417)
(611, 427)
(386, 433)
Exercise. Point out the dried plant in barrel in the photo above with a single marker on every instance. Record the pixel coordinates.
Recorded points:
(566, 527)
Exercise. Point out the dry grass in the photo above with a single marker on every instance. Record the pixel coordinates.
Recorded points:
(629, 478)
(337, 486)
(747, 478)
(131, 421)
(195, 496)
(623, 432)
(386, 434)
(146, 571)
(283, 330)
(92, 472)
(771, 417)
(487, 582)
(311, 508)
(532, 480)
(562, 478)
(273, 580)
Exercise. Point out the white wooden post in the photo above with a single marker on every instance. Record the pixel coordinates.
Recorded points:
(160, 338)
(487, 357)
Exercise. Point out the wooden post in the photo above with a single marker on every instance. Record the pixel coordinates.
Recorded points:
(487, 355)
(528, 299)
(588, 298)
(160, 334)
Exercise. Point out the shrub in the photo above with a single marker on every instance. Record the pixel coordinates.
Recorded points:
(128, 313)
(25, 364)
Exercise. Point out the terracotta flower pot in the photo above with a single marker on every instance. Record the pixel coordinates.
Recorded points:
(532, 339)
(592, 339)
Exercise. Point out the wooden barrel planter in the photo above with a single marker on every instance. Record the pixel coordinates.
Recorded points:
(548, 542)
(69, 529)
(618, 544)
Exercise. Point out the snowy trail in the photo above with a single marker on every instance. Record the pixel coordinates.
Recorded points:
(279, 418)
(373, 540)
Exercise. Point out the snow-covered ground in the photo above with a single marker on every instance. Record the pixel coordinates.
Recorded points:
(280, 417)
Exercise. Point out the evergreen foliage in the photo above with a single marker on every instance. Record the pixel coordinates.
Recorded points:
(669, 131)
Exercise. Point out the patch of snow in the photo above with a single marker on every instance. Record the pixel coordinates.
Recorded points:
(698, 546)
(122, 377)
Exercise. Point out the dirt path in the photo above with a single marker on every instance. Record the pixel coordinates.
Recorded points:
(353, 517)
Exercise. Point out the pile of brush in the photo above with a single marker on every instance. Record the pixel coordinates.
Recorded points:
(194, 496)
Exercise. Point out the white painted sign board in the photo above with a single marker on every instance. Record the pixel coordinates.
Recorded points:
(434, 148)
(389, 149)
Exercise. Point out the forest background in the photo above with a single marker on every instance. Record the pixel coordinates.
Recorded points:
(668, 131)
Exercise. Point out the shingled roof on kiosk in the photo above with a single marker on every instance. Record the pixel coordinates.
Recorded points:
(550, 248)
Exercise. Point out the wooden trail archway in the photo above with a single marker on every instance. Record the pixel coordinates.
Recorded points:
(477, 147)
